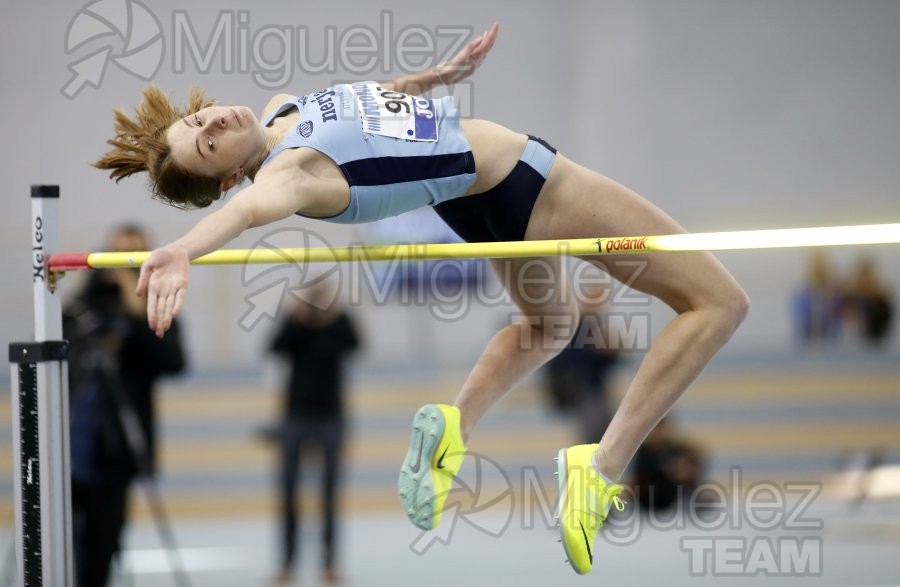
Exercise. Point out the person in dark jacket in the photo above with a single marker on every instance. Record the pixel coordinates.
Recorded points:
(871, 299)
(114, 367)
(315, 339)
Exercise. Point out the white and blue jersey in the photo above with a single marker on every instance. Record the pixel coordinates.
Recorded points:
(397, 152)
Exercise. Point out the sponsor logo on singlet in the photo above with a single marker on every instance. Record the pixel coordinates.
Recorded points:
(305, 128)
(325, 100)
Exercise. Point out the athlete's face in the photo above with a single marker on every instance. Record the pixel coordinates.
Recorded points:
(217, 141)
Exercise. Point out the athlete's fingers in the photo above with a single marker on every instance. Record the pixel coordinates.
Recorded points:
(489, 37)
(160, 314)
(167, 312)
(143, 280)
(479, 54)
(151, 309)
(179, 301)
(475, 45)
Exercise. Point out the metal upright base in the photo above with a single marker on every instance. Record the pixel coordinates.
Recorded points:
(41, 463)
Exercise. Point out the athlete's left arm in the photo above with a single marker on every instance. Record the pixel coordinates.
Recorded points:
(454, 70)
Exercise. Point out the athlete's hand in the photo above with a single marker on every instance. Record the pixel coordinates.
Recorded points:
(469, 59)
(164, 278)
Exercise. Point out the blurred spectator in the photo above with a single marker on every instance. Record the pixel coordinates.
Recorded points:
(667, 468)
(872, 302)
(818, 304)
(316, 338)
(114, 365)
(830, 308)
(578, 377)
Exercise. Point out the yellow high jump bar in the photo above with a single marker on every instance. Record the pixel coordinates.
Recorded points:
(704, 241)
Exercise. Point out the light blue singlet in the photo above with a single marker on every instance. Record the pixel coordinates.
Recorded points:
(398, 152)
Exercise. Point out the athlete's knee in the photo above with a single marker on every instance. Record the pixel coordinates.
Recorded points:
(733, 307)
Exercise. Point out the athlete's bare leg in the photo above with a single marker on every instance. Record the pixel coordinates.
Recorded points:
(548, 321)
(579, 203)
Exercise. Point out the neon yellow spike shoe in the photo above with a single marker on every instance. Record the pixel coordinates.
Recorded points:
(435, 454)
(584, 502)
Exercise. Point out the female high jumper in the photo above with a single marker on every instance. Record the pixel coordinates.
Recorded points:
(365, 151)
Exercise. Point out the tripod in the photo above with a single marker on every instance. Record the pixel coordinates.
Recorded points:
(105, 368)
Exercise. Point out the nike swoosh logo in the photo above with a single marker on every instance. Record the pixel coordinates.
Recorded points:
(587, 543)
(415, 466)
(440, 462)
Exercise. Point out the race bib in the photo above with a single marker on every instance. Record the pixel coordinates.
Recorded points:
(394, 114)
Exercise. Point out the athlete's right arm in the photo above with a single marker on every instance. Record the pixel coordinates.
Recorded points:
(164, 275)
